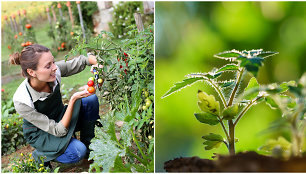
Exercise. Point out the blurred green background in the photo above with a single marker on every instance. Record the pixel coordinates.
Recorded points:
(188, 34)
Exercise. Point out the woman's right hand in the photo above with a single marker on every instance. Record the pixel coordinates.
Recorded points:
(81, 94)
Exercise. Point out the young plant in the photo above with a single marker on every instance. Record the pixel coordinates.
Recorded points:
(229, 114)
(291, 100)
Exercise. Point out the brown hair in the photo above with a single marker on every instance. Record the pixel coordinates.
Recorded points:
(28, 58)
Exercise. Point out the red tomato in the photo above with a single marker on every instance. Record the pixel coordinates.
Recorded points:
(23, 44)
(20, 34)
(91, 89)
(28, 26)
(63, 45)
(9, 47)
(16, 36)
(125, 54)
(90, 83)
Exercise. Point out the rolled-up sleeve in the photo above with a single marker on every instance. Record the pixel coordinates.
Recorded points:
(40, 120)
(72, 66)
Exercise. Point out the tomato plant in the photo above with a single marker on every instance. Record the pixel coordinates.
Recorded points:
(11, 127)
(123, 16)
(127, 73)
(229, 113)
(290, 100)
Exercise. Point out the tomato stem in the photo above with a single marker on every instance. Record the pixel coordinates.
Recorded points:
(136, 141)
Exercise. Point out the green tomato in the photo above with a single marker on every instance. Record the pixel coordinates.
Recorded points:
(148, 103)
(146, 93)
(144, 108)
(150, 137)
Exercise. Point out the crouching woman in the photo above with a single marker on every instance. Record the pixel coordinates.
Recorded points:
(48, 125)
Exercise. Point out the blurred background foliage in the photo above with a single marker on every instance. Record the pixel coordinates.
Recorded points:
(188, 34)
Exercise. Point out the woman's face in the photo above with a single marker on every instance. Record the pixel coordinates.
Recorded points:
(46, 68)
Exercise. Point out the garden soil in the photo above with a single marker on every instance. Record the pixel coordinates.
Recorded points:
(241, 162)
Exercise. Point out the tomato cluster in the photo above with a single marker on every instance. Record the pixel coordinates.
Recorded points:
(147, 100)
(126, 62)
(26, 44)
(91, 82)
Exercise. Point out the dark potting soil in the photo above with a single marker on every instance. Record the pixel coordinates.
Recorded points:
(241, 162)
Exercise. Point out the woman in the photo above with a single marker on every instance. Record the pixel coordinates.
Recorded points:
(48, 124)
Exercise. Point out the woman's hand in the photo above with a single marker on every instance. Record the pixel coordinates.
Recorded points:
(81, 94)
(93, 61)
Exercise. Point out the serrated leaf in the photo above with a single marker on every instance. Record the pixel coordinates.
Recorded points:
(229, 55)
(213, 137)
(208, 103)
(252, 64)
(226, 83)
(265, 54)
(126, 135)
(270, 101)
(180, 85)
(230, 112)
(252, 90)
(104, 150)
(119, 166)
(211, 144)
(210, 75)
(228, 67)
(207, 118)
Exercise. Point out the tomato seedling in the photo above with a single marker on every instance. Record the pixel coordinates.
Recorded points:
(228, 113)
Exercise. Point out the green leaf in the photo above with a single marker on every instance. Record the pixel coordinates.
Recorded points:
(207, 118)
(183, 84)
(252, 64)
(281, 143)
(208, 103)
(230, 112)
(119, 166)
(213, 137)
(228, 67)
(252, 86)
(126, 135)
(56, 170)
(270, 101)
(229, 55)
(297, 91)
(211, 144)
(284, 86)
(210, 75)
(104, 150)
(226, 83)
(265, 54)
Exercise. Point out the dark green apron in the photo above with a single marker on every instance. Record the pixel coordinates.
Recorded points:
(45, 144)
